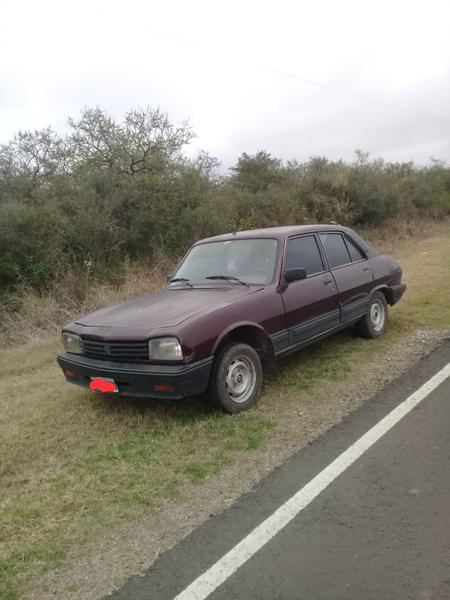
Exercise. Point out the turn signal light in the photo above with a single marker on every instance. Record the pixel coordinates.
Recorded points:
(69, 373)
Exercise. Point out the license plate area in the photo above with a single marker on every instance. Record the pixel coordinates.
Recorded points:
(103, 384)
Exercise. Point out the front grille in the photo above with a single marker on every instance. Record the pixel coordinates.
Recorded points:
(122, 351)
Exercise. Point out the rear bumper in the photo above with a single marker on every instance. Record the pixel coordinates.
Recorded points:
(396, 292)
(139, 379)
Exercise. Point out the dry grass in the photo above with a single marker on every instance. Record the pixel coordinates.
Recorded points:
(74, 466)
(30, 314)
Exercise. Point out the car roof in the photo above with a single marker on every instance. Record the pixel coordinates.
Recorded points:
(273, 232)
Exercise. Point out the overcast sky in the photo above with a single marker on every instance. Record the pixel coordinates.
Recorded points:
(237, 71)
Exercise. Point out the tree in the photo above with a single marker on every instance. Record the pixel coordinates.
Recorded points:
(258, 172)
(144, 141)
(29, 160)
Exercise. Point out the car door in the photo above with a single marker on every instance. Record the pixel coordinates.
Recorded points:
(311, 304)
(351, 272)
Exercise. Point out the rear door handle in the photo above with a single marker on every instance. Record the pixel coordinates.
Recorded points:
(326, 280)
(366, 269)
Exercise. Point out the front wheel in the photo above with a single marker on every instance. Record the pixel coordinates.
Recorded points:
(236, 378)
(374, 323)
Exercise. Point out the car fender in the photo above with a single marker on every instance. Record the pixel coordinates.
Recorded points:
(220, 338)
(265, 349)
(381, 288)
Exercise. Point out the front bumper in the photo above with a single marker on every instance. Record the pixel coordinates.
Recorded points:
(138, 379)
(396, 292)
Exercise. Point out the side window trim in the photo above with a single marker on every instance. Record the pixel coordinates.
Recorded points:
(347, 239)
(314, 235)
(326, 264)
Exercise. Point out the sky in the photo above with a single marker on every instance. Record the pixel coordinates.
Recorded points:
(294, 78)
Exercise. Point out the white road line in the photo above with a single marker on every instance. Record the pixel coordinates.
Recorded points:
(206, 583)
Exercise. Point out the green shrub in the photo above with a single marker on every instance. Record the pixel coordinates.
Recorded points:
(111, 190)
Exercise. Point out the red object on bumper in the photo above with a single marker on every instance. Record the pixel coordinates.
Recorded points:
(103, 385)
(163, 388)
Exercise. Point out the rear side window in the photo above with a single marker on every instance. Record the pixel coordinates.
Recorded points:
(335, 249)
(355, 252)
(303, 253)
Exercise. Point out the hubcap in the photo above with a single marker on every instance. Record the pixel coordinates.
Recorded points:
(377, 315)
(240, 379)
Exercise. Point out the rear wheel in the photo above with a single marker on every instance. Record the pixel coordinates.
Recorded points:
(374, 323)
(236, 378)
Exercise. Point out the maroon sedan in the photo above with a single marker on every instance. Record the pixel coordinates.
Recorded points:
(235, 304)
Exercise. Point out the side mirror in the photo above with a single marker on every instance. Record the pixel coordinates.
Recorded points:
(294, 275)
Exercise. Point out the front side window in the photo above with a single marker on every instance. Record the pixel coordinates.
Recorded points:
(303, 253)
(335, 249)
(250, 260)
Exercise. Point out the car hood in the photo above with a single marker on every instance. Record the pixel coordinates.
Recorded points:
(167, 308)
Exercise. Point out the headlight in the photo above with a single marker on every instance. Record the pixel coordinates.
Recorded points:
(72, 343)
(165, 348)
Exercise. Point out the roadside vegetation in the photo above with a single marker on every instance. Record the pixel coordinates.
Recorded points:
(88, 210)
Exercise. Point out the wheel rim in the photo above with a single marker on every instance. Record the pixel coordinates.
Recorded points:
(240, 379)
(377, 315)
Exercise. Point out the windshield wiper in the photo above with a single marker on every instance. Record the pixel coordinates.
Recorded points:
(228, 278)
(181, 280)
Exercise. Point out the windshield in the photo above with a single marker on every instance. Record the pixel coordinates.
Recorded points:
(246, 260)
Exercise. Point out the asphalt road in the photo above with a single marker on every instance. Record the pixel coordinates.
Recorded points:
(379, 531)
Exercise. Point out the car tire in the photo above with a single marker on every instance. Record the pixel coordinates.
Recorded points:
(374, 323)
(236, 378)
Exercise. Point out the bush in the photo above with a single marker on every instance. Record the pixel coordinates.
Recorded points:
(109, 192)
